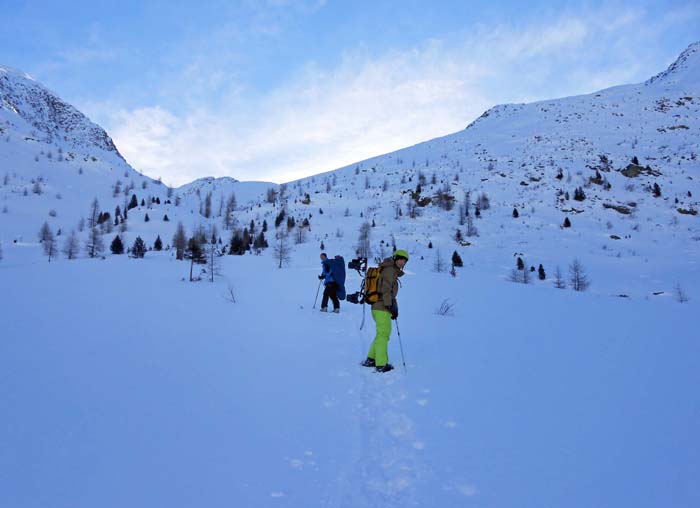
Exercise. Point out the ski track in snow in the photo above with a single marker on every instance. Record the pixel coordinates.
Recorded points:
(385, 466)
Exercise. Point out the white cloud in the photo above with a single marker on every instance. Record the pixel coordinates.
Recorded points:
(365, 106)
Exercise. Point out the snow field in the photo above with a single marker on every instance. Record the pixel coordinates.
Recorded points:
(124, 385)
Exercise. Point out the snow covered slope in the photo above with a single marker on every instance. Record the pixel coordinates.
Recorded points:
(637, 228)
(533, 157)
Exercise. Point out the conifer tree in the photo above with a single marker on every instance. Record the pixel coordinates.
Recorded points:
(515, 213)
(117, 247)
(158, 244)
(280, 218)
(456, 259)
(540, 273)
(260, 243)
(246, 241)
(138, 250)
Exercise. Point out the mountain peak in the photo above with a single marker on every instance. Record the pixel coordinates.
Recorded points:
(684, 70)
(4, 69)
(24, 101)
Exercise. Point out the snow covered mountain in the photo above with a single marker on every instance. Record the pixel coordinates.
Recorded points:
(54, 162)
(30, 109)
(536, 159)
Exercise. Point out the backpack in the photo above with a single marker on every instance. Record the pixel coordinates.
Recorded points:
(372, 285)
(337, 268)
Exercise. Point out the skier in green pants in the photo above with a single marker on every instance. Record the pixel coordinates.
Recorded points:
(385, 309)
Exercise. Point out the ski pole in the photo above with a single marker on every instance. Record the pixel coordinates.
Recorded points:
(317, 290)
(362, 325)
(401, 346)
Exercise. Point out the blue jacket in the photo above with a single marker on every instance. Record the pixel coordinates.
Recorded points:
(326, 272)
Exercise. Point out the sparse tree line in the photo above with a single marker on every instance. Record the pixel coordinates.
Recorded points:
(577, 280)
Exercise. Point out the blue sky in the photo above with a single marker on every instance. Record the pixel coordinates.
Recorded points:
(279, 89)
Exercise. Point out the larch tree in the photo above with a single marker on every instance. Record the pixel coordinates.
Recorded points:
(282, 251)
(94, 245)
(180, 241)
(71, 245)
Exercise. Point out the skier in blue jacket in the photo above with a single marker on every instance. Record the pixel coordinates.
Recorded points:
(330, 286)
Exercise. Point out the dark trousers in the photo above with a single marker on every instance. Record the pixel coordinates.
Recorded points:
(330, 292)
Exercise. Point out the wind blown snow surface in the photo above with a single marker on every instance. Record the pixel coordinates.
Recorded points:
(123, 385)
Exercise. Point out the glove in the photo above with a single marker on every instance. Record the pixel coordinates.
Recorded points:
(394, 309)
(320, 277)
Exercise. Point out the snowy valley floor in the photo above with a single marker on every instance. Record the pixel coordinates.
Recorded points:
(122, 385)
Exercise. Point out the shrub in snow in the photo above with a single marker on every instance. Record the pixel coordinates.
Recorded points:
(520, 276)
(681, 296)
(559, 281)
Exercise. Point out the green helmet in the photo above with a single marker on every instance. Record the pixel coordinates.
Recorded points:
(400, 254)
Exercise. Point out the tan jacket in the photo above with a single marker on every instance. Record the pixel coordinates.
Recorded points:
(388, 285)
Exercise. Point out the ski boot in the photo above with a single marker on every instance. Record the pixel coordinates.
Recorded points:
(369, 362)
